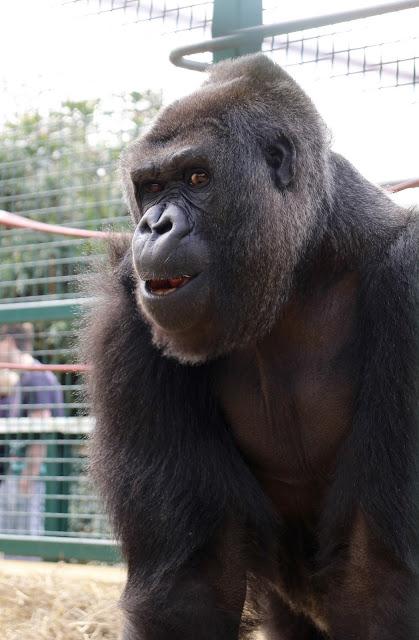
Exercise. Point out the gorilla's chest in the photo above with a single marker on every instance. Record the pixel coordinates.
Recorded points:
(289, 401)
(288, 431)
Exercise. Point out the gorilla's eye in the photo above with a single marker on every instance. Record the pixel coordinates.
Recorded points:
(153, 187)
(198, 178)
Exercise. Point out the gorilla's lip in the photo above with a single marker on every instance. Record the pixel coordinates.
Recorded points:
(166, 286)
(161, 286)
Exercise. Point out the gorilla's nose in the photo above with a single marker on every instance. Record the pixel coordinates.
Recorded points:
(157, 238)
(161, 220)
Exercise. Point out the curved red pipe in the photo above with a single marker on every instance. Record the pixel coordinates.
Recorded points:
(409, 184)
(13, 220)
(72, 368)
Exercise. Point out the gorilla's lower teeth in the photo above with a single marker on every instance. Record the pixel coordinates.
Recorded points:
(162, 292)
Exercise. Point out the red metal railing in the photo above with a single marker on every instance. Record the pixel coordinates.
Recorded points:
(12, 220)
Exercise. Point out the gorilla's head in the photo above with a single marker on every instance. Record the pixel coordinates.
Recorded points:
(225, 189)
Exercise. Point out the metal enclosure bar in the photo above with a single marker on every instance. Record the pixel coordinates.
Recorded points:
(241, 38)
(233, 15)
(54, 548)
(42, 310)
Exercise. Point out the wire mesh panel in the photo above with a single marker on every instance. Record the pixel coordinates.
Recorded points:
(174, 16)
(373, 53)
(60, 167)
(44, 488)
(45, 492)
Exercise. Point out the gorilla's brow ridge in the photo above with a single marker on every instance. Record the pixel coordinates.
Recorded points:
(187, 157)
(159, 136)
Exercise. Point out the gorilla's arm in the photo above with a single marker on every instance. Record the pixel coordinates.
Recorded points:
(175, 486)
(374, 495)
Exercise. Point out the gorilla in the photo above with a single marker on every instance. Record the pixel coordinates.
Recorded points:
(254, 377)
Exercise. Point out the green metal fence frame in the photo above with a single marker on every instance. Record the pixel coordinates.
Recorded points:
(55, 548)
(43, 310)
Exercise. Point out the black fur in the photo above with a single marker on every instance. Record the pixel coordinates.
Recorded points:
(196, 525)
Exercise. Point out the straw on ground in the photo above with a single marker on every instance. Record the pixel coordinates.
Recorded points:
(48, 601)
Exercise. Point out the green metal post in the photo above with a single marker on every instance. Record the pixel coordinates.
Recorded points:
(66, 470)
(230, 15)
(53, 488)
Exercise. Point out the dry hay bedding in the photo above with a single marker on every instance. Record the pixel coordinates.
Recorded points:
(46, 601)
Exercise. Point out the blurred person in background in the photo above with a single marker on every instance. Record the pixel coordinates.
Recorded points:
(9, 407)
(9, 393)
(36, 395)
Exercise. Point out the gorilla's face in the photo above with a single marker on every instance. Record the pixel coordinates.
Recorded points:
(206, 246)
(220, 223)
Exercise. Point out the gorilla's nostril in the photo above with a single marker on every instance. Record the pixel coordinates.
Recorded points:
(164, 225)
(144, 226)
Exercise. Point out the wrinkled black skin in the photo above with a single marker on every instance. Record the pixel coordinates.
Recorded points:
(191, 516)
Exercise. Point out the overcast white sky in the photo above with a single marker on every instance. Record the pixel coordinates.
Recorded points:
(55, 48)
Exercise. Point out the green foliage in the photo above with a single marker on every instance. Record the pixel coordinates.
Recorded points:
(67, 156)
(60, 167)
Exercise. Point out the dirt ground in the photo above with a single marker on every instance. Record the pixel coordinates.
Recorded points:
(49, 601)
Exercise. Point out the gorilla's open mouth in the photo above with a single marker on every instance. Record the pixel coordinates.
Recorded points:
(162, 287)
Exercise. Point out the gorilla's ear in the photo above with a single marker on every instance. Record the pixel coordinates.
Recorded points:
(280, 156)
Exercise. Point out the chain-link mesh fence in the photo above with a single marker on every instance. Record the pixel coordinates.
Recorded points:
(172, 15)
(379, 52)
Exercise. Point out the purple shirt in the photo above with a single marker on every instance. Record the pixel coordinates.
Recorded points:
(49, 396)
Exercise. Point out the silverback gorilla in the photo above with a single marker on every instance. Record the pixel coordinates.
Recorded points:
(254, 377)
